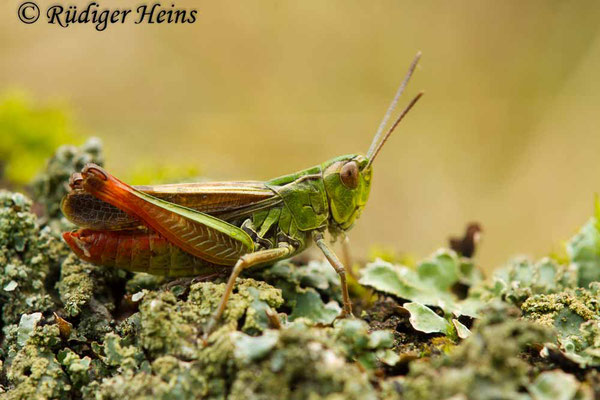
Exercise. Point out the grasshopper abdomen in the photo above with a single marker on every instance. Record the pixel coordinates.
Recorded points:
(137, 251)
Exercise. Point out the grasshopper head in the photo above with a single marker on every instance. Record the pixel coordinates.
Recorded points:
(347, 183)
(348, 178)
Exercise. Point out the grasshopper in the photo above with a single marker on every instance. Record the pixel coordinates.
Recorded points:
(205, 229)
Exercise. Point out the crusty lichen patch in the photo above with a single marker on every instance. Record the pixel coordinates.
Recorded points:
(487, 365)
(28, 254)
(296, 362)
(33, 369)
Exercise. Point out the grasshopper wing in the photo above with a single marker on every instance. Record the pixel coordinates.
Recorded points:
(228, 201)
(197, 233)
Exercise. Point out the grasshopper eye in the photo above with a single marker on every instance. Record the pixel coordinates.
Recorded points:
(349, 175)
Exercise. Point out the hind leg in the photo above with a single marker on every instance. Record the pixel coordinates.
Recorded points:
(246, 261)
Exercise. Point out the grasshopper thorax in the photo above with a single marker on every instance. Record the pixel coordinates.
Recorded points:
(347, 182)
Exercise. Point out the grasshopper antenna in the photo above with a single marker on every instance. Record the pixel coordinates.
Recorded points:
(389, 132)
(392, 106)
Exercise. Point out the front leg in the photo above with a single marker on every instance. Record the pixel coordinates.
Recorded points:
(347, 256)
(339, 268)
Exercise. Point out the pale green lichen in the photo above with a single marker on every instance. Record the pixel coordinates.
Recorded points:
(92, 294)
(169, 325)
(168, 378)
(487, 365)
(575, 315)
(76, 285)
(389, 314)
(303, 364)
(584, 252)
(252, 348)
(369, 348)
(26, 326)
(34, 371)
(424, 320)
(557, 385)
(521, 278)
(78, 368)
(297, 361)
(81, 282)
(430, 285)
(461, 330)
(28, 255)
(312, 291)
(565, 297)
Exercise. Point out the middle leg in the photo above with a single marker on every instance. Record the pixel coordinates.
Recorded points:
(339, 268)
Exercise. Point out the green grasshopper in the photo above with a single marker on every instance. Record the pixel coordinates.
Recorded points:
(204, 229)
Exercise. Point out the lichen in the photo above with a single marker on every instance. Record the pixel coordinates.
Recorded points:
(29, 254)
(487, 365)
(522, 278)
(431, 286)
(312, 291)
(552, 385)
(293, 362)
(303, 364)
(575, 315)
(584, 252)
(80, 283)
(34, 372)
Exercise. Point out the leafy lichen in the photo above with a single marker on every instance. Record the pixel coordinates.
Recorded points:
(487, 365)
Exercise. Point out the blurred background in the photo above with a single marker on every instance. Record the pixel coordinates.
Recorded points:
(506, 134)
